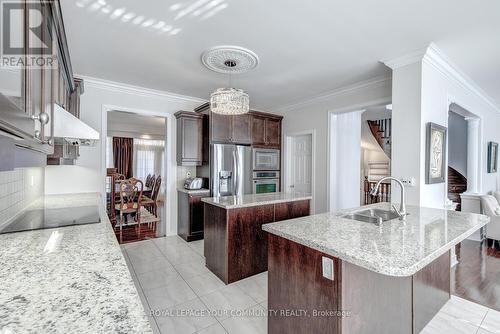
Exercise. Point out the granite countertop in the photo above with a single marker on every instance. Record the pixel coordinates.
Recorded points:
(234, 202)
(68, 280)
(194, 191)
(394, 248)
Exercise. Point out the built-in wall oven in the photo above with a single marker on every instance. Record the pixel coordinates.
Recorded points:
(266, 159)
(266, 182)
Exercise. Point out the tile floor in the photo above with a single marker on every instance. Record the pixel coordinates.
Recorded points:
(170, 276)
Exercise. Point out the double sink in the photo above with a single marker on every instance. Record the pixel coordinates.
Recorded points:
(373, 216)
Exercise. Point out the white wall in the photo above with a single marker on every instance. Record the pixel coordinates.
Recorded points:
(314, 114)
(457, 143)
(88, 173)
(422, 92)
(406, 134)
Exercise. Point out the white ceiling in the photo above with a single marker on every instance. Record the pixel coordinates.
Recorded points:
(306, 48)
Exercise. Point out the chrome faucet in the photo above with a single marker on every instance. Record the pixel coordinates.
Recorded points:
(402, 208)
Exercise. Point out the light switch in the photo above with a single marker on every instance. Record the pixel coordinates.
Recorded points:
(328, 268)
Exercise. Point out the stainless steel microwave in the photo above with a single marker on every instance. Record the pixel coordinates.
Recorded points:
(266, 159)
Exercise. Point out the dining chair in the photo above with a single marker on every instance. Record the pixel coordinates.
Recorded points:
(151, 181)
(150, 203)
(148, 178)
(130, 201)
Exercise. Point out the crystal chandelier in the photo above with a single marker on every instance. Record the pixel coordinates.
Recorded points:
(229, 101)
(229, 60)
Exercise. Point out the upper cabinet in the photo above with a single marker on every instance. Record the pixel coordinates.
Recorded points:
(28, 93)
(190, 141)
(266, 130)
(231, 129)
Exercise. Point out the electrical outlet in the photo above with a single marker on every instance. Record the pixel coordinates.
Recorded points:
(409, 181)
(327, 268)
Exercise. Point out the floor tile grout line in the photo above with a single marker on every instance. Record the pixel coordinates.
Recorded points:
(197, 296)
(487, 311)
(142, 291)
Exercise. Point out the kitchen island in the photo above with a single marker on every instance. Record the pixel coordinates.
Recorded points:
(350, 276)
(68, 280)
(235, 245)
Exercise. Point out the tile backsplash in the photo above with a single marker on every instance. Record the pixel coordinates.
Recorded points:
(18, 189)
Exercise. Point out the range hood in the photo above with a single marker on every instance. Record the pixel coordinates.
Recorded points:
(73, 130)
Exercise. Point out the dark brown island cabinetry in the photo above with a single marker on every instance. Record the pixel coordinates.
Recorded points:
(266, 130)
(190, 138)
(356, 300)
(235, 245)
(190, 214)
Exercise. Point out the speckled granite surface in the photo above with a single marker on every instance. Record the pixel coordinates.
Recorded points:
(234, 202)
(394, 248)
(67, 280)
(195, 191)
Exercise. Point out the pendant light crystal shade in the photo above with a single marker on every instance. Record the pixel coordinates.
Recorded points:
(229, 101)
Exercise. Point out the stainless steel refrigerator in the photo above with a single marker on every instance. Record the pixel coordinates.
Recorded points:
(230, 170)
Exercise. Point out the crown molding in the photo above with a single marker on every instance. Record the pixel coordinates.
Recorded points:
(436, 58)
(370, 83)
(407, 59)
(433, 56)
(136, 90)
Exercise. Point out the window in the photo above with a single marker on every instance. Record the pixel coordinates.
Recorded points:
(148, 158)
(109, 153)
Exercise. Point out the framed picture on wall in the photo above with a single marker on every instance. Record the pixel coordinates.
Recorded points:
(435, 153)
(492, 157)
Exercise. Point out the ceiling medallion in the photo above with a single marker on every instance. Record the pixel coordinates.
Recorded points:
(229, 60)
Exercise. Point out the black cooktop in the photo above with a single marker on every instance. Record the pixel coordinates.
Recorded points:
(52, 218)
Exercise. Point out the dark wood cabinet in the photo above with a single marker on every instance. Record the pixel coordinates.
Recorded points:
(273, 132)
(289, 210)
(190, 215)
(296, 282)
(241, 129)
(255, 128)
(235, 245)
(231, 129)
(220, 128)
(190, 144)
(259, 130)
(266, 130)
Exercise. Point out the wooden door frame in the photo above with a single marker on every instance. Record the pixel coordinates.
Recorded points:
(170, 162)
(286, 177)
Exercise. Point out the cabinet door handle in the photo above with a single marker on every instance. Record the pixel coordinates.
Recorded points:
(43, 117)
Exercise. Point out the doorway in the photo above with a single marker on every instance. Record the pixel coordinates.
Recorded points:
(299, 164)
(359, 155)
(150, 136)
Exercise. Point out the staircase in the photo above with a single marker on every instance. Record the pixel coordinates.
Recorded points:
(457, 184)
(382, 131)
